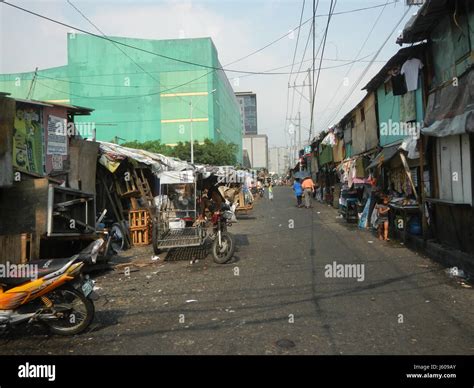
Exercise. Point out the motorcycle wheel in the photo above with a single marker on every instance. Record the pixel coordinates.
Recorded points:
(78, 311)
(222, 254)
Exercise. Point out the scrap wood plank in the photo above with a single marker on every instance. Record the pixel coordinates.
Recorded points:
(72, 202)
(10, 249)
(118, 216)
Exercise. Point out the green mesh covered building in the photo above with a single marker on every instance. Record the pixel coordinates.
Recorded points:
(137, 95)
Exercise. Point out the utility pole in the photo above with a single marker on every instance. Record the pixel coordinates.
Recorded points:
(310, 85)
(33, 81)
(299, 134)
(191, 130)
(299, 130)
(299, 144)
(296, 143)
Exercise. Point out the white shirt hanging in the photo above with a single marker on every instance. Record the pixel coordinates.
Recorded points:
(411, 70)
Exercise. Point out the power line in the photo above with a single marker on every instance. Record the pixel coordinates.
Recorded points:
(137, 48)
(368, 66)
(291, 72)
(305, 48)
(294, 58)
(299, 27)
(352, 65)
(124, 52)
(316, 83)
(67, 80)
(297, 41)
(118, 47)
(168, 88)
(151, 52)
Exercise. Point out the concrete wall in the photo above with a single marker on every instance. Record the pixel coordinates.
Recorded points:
(364, 133)
(257, 147)
(278, 160)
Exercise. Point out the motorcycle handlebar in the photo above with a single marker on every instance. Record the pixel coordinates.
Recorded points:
(90, 253)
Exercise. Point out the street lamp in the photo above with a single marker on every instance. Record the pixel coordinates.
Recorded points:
(191, 115)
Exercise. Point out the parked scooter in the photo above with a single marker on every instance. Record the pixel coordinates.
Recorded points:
(57, 295)
(223, 246)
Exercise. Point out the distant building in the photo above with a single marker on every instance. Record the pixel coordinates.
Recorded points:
(141, 96)
(245, 159)
(257, 149)
(248, 112)
(278, 161)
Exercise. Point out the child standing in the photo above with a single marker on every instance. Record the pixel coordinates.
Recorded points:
(382, 220)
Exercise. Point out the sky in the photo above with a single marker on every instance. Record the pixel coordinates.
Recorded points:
(237, 28)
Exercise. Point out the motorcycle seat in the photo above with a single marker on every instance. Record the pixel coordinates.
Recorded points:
(44, 267)
(11, 282)
(48, 266)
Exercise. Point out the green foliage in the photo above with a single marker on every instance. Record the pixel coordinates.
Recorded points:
(217, 153)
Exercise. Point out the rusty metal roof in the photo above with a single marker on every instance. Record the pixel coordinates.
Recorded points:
(419, 27)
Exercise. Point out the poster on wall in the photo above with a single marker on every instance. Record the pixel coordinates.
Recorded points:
(57, 162)
(28, 139)
(57, 136)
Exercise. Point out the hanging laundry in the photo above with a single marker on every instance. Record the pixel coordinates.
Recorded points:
(411, 69)
(329, 140)
(399, 86)
(408, 107)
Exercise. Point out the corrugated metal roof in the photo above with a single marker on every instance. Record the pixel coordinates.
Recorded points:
(74, 108)
(419, 27)
(398, 59)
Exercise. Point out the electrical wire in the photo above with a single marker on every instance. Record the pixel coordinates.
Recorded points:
(352, 65)
(349, 94)
(293, 62)
(316, 83)
(158, 54)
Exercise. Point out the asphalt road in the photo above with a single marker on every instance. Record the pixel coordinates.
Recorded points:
(275, 297)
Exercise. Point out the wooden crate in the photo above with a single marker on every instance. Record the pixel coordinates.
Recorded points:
(139, 219)
(141, 236)
(17, 249)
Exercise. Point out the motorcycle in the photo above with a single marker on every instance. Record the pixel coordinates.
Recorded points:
(57, 294)
(223, 245)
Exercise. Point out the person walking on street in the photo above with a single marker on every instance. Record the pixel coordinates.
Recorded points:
(270, 192)
(298, 192)
(308, 187)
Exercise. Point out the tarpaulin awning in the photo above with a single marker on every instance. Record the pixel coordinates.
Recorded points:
(176, 177)
(450, 110)
(113, 154)
(302, 174)
(384, 156)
